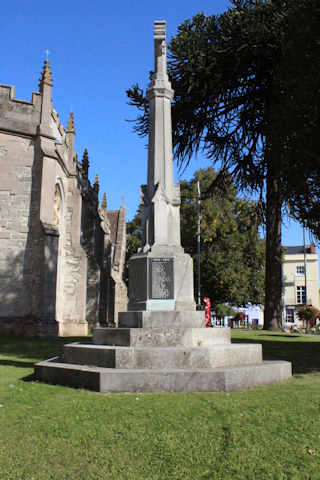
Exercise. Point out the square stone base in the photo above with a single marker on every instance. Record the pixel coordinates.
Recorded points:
(161, 279)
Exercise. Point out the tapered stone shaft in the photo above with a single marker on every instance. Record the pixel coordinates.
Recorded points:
(161, 198)
(161, 274)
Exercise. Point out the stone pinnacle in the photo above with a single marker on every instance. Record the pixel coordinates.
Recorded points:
(70, 126)
(104, 201)
(96, 184)
(46, 77)
(85, 164)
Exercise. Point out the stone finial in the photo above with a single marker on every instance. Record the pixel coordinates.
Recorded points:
(70, 126)
(85, 164)
(104, 201)
(96, 184)
(159, 35)
(159, 79)
(159, 30)
(46, 75)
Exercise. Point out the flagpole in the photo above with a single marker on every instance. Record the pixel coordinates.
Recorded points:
(198, 243)
(305, 266)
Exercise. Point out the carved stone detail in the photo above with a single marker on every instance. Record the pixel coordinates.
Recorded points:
(3, 151)
(57, 207)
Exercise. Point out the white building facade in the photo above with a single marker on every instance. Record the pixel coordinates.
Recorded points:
(300, 280)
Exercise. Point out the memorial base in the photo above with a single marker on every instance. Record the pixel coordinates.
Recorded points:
(162, 352)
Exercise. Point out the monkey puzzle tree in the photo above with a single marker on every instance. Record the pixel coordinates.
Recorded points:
(231, 92)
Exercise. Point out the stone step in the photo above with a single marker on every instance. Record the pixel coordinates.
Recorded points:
(162, 380)
(167, 319)
(161, 336)
(162, 357)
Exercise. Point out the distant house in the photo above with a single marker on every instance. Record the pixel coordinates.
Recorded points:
(301, 280)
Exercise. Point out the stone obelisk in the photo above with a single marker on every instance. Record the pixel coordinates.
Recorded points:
(161, 274)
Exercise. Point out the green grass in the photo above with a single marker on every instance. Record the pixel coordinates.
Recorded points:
(51, 432)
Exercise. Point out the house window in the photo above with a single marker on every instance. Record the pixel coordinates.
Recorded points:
(300, 270)
(290, 315)
(301, 294)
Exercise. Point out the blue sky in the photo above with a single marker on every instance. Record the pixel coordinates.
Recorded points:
(98, 49)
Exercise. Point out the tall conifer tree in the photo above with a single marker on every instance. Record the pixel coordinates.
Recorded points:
(236, 101)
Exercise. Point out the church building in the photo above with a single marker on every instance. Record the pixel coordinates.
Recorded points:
(62, 253)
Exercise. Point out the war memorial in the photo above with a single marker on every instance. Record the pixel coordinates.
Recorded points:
(161, 343)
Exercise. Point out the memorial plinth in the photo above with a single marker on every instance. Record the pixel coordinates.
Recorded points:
(161, 343)
(161, 280)
(165, 358)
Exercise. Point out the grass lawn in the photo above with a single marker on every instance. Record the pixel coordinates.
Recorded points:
(51, 432)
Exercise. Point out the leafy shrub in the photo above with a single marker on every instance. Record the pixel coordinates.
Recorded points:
(309, 315)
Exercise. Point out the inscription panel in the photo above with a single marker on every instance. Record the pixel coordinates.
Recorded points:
(138, 280)
(161, 278)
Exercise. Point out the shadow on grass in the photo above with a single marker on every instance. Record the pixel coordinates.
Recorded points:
(304, 355)
(29, 378)
(16, 363)
(282, 336)
(35, 348)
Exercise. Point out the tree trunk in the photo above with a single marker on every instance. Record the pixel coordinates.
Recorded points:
(273, 283)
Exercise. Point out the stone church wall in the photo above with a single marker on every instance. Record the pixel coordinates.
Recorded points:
(57, 274)
(15, 204)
